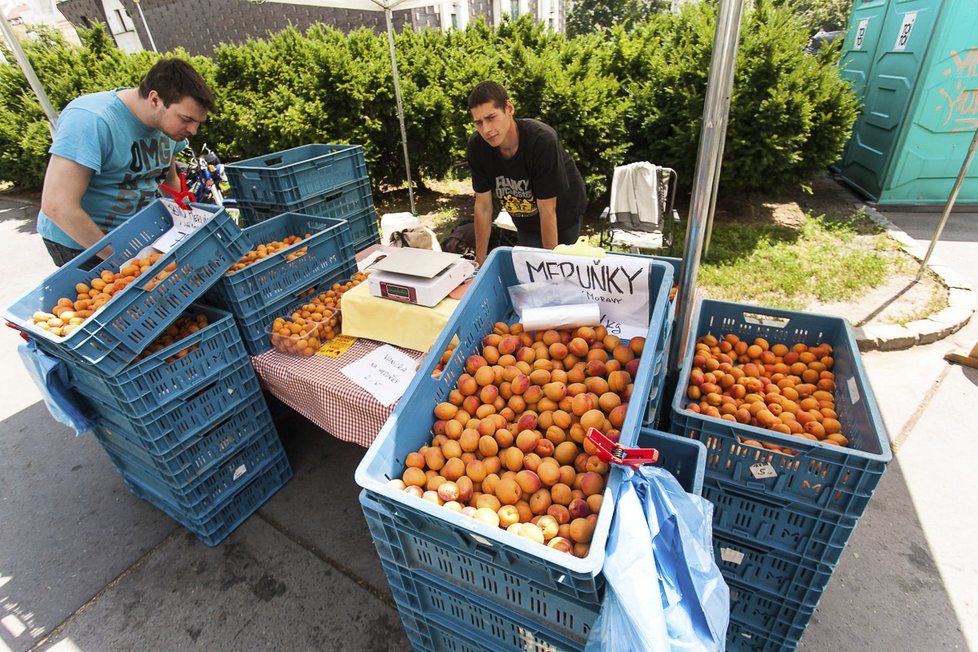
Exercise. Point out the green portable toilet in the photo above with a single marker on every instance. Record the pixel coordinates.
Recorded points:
(919, 60)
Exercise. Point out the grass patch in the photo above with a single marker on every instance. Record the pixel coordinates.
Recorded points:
(785, 267)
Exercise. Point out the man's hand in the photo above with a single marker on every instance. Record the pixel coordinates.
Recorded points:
(548, 222)
(483, 225)
(65, 182)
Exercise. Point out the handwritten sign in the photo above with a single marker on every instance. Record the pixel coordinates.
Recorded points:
(860, 34)
(385, 372)
(184, 223)
(618, 284)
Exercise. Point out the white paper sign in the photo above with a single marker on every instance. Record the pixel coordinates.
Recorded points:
(618, 284)
(184, 223)
(903, 35)
(385, 372)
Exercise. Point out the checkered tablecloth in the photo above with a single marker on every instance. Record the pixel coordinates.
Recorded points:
(315, 388)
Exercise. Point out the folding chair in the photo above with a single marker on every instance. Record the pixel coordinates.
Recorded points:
(641, 214)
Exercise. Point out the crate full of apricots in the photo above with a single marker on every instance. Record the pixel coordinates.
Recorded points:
(286, 252)
(783, 404)
(202, 342)
(107, 315)
(487, 449)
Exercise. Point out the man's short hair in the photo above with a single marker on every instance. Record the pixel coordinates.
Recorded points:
(488, 91)
(175, 79)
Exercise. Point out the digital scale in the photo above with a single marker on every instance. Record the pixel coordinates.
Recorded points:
(417, 276)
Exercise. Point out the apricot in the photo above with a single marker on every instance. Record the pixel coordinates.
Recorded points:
(581, 530)
(540, 501)
(592, 483)
(560, 493)
(414, 476)
(508, 491)
(508, 516)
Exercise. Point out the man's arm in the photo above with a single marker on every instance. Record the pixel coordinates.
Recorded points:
(65, 183)
(173, 178)
(548, 222)
(483, 224)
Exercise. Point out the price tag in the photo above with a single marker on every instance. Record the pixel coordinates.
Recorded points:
(184, 223)
(240, 471)
(731, 556)
(762, 471)
(336, 346)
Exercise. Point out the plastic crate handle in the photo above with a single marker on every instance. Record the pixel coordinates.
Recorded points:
(275, 160)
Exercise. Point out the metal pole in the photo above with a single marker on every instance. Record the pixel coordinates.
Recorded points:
(949, 205)
(152, 43)
(715, 110)
(25, 66)
(400, 108)
(716, 184)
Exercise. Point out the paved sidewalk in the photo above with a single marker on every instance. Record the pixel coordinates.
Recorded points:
(86, 566)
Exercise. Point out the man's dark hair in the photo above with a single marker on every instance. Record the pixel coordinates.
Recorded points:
(488, 91)
(175, 79)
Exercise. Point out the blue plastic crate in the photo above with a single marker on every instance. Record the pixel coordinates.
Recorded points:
(684, 458)
(492, 625)
(296, 174)
(349, 199)
(198, 454)
(833, 478)
(145, 385)
(781, 619)
(362, 221)
(427, 634)
(775, 572)
(112, 337)
(257, 285)
(198, 494)
(235, 508)
(403, 541)
(409, 427)
(816, 535)
(254, 326)
(742, 637)
(174, 423)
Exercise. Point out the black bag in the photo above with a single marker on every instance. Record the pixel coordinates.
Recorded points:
(461, 240)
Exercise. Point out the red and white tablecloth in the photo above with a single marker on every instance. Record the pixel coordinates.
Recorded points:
(315, 388)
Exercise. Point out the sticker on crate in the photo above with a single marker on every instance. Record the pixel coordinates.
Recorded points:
(618, 284)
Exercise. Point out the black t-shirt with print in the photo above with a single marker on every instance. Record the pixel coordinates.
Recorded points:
(541, 168)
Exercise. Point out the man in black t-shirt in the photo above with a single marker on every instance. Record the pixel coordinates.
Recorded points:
(522, 163)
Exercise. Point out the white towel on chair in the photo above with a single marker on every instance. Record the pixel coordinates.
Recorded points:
(635, 195)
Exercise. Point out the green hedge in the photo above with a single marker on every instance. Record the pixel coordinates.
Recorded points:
(614, 96)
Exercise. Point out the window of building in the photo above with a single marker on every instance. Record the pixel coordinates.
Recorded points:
(454, 14)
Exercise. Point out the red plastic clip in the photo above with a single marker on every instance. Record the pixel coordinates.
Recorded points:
(19, 332)
(180, 195)
(609, 451)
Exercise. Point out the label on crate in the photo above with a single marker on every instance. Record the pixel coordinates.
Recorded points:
(619, 285)
(240, 471)
(184, 223)
(762, 471)
(731, 556)
(336, 346)
(853, 390)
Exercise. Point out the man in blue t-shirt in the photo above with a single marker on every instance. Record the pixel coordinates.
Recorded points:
(112, 149)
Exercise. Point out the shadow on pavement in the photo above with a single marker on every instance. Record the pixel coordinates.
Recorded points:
(886, 593)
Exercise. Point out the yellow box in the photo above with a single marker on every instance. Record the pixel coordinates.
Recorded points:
(385, 320)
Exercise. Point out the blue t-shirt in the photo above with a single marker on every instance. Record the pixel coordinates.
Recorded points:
(128, 158)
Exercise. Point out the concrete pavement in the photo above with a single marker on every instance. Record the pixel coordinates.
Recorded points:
(86, 566)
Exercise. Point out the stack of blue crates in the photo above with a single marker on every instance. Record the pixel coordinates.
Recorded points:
(322, 180)
(781, 521)
(186, 427)
(460, 584)
(276, 285)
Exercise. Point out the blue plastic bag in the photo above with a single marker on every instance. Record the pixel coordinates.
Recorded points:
(664, 590)
(51, 377)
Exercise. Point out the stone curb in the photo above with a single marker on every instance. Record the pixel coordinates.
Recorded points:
(961, 301)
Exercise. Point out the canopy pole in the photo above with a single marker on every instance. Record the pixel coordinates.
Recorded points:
(400, 107)
(152, 43)
(28, 70)
(949, 205)
(715, 112)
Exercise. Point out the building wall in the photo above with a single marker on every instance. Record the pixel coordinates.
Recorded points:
(199, 27)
